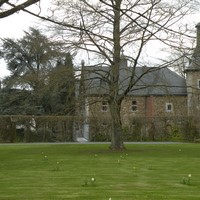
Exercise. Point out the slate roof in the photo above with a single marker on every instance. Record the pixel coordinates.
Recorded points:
(154, 81)
(194, 65)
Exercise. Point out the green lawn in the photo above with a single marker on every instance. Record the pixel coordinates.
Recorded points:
(73, 171)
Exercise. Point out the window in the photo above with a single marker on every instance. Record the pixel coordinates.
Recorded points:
(134, 106)
(169, 107)
(104, 106)
(198, 83)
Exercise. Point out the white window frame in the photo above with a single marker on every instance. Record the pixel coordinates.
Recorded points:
(167, 107)
(104, 106)
(134, 106)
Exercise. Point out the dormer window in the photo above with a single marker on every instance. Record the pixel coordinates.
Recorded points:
(104, 106)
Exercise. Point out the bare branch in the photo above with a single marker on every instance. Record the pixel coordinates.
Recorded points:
(15, 8)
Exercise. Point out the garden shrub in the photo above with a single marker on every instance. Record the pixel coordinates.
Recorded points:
(100, 129)
(192, 129)
(62, 128)
(7, 129)
(36, 128)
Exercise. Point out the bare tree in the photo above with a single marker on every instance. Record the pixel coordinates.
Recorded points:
(105, 28)
(9, 7)
(182, 54)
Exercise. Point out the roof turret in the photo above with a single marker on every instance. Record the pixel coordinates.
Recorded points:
(195, 61)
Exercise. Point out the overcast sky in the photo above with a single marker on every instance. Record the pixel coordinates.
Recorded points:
(14, 25)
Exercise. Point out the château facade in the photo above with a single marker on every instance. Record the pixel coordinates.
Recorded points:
(157, 93)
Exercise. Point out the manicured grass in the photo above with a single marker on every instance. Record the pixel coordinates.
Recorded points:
(65, 171)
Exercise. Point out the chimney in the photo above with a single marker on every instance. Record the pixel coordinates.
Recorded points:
(195, 60)
(197, 48)
(82, 63)
(198, 34)
(124, 61)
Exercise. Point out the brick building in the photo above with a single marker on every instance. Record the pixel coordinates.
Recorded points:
(156, 92)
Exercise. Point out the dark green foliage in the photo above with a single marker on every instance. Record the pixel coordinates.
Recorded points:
(7, 130)
(43, 74)
(61, 88)
(29, 59)
(14, 101)
(36, 129)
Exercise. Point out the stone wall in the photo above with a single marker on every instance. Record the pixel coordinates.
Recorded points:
(146, 106)
(179, 106)
(150, 121)
(193, 92)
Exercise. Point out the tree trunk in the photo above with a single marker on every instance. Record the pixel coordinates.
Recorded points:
(115, 108)
(116, 134)
(115, 100)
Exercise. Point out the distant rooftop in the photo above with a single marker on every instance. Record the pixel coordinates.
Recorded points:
(153, 81)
